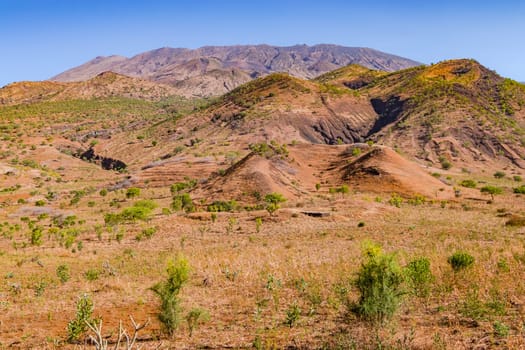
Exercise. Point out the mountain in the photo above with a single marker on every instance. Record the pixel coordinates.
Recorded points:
(106, 84)
(214, 70)
(457, 112)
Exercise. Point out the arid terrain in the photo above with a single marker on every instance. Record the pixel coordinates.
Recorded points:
(277, 195)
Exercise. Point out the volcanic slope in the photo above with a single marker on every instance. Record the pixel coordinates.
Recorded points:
(277, 108)
(454, 112)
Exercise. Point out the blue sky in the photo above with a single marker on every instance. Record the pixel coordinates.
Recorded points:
(41, 38)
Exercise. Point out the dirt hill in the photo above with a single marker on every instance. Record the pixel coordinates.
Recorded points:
(106, 84)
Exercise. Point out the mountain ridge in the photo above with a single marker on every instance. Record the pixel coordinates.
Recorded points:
(233, 64)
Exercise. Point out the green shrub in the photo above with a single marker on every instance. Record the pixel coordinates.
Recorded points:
(145, 203)
(40, 203)
(517, 178)
(183, 202)
(395, 200)
(468, 183)
(223, 206)
(501, 330)
(63, 273)
(36, 236)
(146, 233)
(92, 274)
(103, 192)
(460, 260)
(168, 291)
(292, 315)
(194, 317)
(273, 201)
(420, 276)
(492, 190)
(519, 190)
(135, 213)
(445, 163)
(379, 282)
(132, 192)
(141, 210)
(180, 186)
(499, 174)
(78, 326)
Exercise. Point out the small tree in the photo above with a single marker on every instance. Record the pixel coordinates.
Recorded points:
(168, 291)
(78, 326)
(492, 190)
(379, 282)
(273, 201)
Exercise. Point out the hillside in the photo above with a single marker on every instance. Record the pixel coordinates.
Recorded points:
(236, 64)
(454, 111)
(104, 85)
(455, 114)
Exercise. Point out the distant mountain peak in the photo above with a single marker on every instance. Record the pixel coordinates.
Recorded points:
(190, 69)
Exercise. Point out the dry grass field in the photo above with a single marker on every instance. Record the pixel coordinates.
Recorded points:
(248, 275)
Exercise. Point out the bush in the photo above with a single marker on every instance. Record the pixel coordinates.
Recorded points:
(273, 201)
(292, 315)
(445, 163)
(132, 192)
(92, 274)
(78, 326)
(519, 190)
(395, 200)
(379, 282)
(180, 186)
(63, 273)
(183, 202)
(36, 236)
(420, 276)
(499, 174)
(196, 316)
(141, 210)
(460, 261)
(492, 190)
(501, 330)
(168, 292)
(145, 203)
(222, 206)
(468, 183)
(146, 233)
(517, 178)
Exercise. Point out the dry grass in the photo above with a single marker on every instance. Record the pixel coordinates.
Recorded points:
(247, 280)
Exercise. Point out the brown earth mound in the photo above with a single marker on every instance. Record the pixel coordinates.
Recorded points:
(384, 170)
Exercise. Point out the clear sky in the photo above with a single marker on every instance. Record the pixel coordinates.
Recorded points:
(41, 38)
